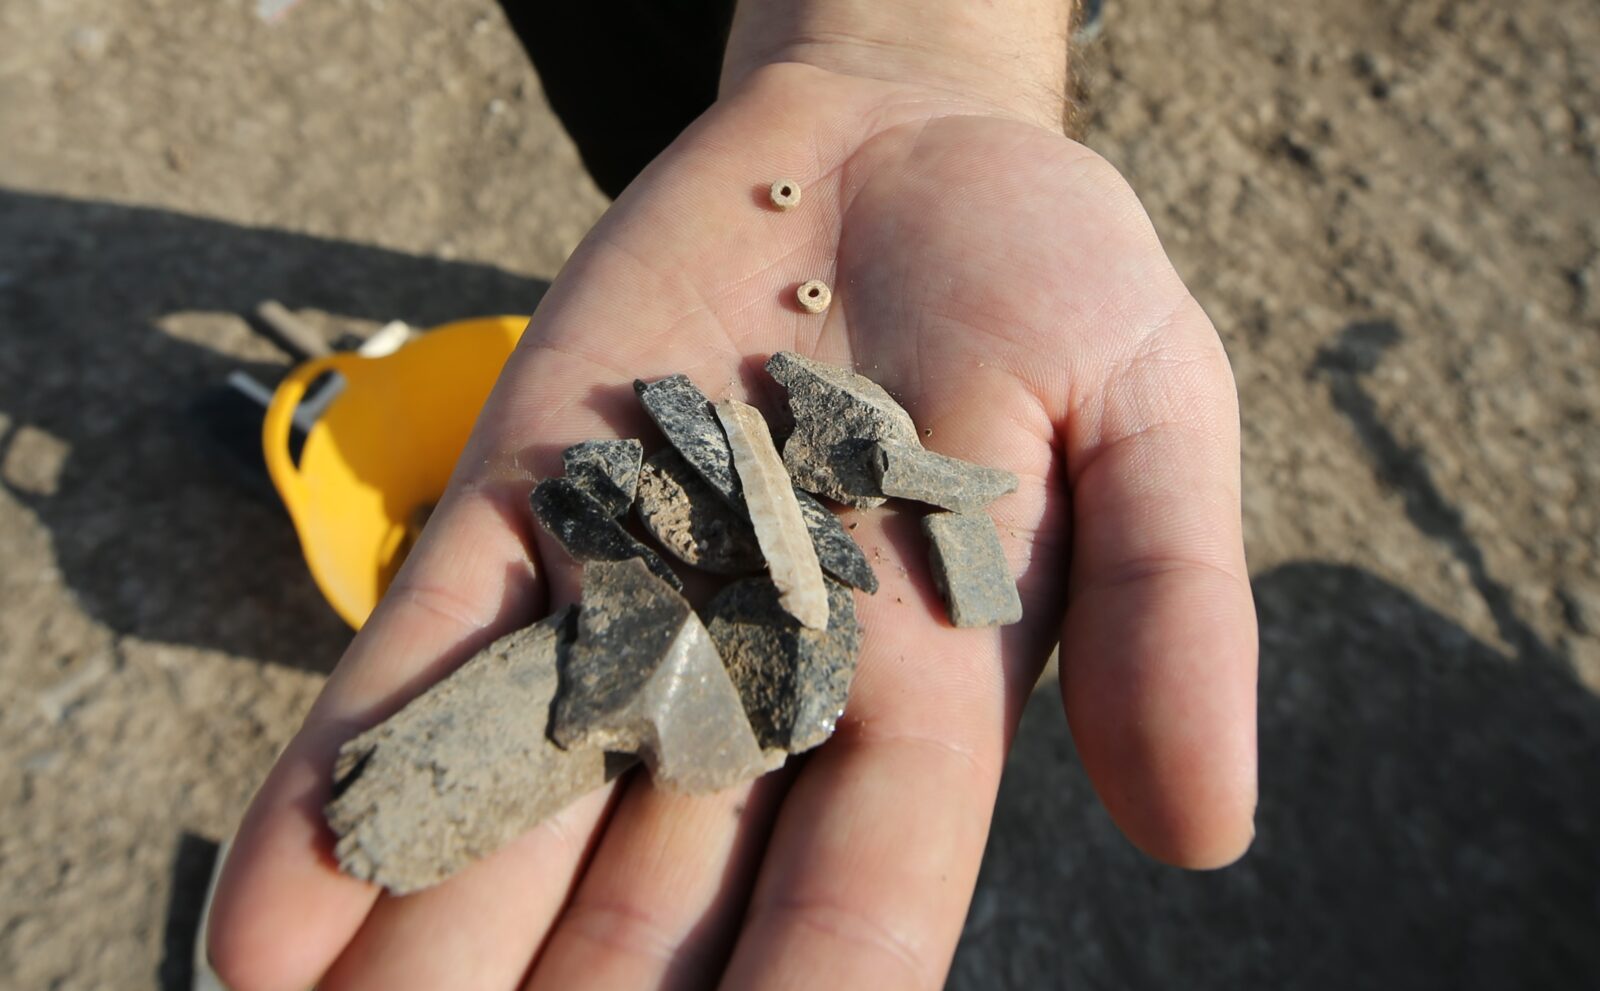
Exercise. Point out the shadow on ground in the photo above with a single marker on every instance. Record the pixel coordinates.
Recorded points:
(1428, 805)
(192, 865)
(152, 528)
(1428, 818)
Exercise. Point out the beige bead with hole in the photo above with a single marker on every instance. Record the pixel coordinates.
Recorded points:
(814, 296)
(786, 194)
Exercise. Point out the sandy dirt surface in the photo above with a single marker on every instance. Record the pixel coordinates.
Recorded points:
(1391, 210)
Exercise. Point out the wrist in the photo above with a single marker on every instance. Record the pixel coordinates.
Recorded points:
(1009, 59)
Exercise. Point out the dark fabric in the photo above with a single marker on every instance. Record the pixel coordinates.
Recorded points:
(624, 76)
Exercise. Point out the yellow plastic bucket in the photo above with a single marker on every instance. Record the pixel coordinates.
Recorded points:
(382, 451)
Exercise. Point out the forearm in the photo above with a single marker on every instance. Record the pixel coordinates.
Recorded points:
(1010, 55)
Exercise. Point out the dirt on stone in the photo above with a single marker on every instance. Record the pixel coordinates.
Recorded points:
(1387, 208)
(691, 520)
(462, 769)
(794, 681)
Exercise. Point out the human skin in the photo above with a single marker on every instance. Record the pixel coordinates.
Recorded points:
(1004, 283)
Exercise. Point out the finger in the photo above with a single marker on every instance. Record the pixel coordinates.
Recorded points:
(1158, 647)
(479, 929)
(876, 850)
(872, 862)
(658, 906)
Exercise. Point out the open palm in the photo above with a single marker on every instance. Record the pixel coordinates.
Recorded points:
(1004, 284)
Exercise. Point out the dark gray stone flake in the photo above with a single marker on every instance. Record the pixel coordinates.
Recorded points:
(970, 569)
(684, 415)
(793, 680)
(608, 470)
(587, 531)
(837, 417)
(949, 483)
(840, 555)
(643, 677)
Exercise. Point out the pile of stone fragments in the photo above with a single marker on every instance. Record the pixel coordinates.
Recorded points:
(553, 711)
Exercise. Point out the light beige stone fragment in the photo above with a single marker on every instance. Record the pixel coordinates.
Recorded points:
(775, 512)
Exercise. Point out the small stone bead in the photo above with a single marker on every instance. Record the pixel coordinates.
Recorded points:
(786, 194)
(814, 296)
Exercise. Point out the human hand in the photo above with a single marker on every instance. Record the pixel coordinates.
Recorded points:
(1003, 282)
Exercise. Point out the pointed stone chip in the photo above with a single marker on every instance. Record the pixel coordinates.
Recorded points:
(684, 415)
(689, 519)
(837, 417)
(461, 770)
(643, 677)
(949, 483)
(587, 531)
(775, 514)
(608, 470)
(793, 681)
(970, 570)
(839, 555)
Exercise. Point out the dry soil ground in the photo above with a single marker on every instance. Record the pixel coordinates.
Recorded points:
(1390, 209)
